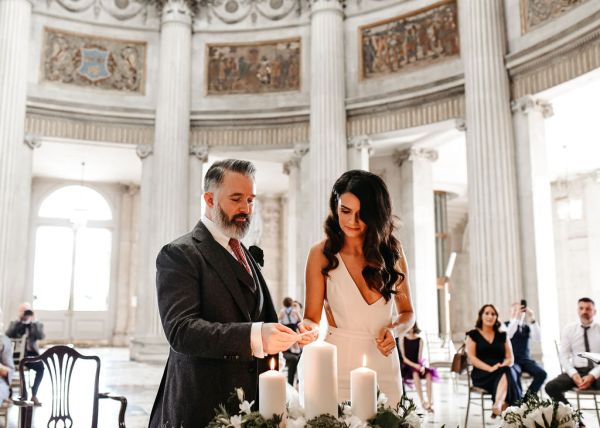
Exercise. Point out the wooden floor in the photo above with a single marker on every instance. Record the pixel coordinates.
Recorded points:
(139, 383)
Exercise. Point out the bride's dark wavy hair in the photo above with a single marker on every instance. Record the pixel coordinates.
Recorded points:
(381, 249)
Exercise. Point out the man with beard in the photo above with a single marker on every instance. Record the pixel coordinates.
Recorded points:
(581, 336)
(215, 307)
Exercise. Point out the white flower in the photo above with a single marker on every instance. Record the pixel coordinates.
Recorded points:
(245, 407)
(355, 422)
(236, 421)
(296, 422)
(413, 420)
(382, 399)
(347, 410)
(564, 412)
(240, 394)
(295, 410)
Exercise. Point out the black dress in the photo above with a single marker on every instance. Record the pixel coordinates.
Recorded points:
(491, 354)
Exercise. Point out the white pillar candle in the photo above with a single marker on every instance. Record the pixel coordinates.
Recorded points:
(320, 379)
(271, 390)
(363, 392)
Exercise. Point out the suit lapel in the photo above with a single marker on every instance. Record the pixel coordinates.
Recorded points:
(216, 255)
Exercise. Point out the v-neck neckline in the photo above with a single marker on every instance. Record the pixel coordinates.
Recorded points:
(343, 263)
(487, 341)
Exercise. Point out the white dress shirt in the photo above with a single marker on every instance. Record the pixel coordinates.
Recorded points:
(572, 343)
(515, 323)
(220, 236)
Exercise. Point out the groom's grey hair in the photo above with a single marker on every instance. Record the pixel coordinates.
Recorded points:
(215, 174)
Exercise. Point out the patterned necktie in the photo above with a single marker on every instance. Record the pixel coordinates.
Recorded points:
(239, 254)
(586, 343)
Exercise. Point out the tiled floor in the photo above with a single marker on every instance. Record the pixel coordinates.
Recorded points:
(139, 382)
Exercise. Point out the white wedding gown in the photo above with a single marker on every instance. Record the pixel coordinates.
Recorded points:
(358, 325)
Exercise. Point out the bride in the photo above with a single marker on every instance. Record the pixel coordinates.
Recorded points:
(358, 273)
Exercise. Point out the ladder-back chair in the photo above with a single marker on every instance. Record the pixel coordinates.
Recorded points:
(59, 362)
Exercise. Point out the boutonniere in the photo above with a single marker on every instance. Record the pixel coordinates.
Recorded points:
(257, 254)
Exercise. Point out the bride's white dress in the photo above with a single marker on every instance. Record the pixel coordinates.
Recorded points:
(358, 325)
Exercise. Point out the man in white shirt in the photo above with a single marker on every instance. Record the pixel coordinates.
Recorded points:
(520, 330)
(582, 336)
(215, 307)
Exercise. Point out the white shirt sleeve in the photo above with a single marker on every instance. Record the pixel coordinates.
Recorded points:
(513, 325)
(536, 334)
(566, 351)
(256, 340)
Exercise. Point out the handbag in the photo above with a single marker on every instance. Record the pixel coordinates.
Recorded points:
(460, 360)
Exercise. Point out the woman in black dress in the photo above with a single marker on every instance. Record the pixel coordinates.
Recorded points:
(492, 358)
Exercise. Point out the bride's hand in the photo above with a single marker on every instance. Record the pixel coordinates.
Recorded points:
(385, 342)
(309, 337)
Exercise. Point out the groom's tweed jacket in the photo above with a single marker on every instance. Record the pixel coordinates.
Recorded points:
(207, 303)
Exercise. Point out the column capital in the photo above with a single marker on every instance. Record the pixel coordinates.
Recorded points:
(323, 5)
(528, 103)
(200, 151)
(360, 142)
(461, 124)
(300, 150)
(181, 11)
(144, 150)
(32, 141)
(401, 156)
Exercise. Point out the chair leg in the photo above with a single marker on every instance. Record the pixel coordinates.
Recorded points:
(468, 406)
(597, 410)
(482, 410)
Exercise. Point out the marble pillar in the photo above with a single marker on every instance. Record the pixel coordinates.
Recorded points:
(493, 210)
(294, 235)
(15, 24)
(169, 206)
(271, 243)
(535, 212)
(417, 214)
(359, 152)
(327, 107)
(198, 157)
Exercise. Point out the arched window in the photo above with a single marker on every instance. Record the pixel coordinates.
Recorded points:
(72, 251)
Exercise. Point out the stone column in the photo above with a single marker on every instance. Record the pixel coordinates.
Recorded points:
(15, 23)
(272, 244)
(327, 107)
(493, 212)
(535, 212)
(417, 234)
(359, 152)
(292, 247)
(198, 157)
(169, 206)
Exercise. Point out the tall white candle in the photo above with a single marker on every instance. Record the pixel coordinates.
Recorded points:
(271, 391)
(320, 379)
(363, 392)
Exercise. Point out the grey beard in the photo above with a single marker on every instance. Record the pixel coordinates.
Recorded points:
(231, 228)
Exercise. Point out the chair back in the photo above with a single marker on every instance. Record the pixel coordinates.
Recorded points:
(19, 346)
(59, 362)
(557, 347)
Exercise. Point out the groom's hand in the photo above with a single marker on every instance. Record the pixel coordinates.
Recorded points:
(277, 338)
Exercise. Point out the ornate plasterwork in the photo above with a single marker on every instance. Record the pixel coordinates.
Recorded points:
(401, 156)
(118, 9)
(282, 136)
(234, 11)
(538, 12)
(529, 103)
(91, 61)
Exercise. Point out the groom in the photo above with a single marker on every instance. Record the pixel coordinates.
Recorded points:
(215, 306)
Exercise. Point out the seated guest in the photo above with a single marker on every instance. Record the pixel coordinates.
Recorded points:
(7, 367)
(27, 325)
(520, 329)
(491, 354)
(580, 336)
(414, 368)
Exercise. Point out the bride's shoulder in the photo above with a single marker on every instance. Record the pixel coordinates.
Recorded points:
(316, 252)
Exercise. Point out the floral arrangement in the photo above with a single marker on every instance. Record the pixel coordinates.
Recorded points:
(537, 413)
(237, 413)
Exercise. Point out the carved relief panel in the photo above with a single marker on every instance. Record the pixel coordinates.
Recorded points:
(538, 12)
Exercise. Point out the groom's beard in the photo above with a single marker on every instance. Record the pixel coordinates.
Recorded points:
(232, 227)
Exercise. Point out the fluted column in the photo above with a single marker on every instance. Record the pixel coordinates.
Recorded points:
(493, 213)
(296, 258)
(271, 243)
(417, 234)
(359, 152)
(15, 23)
(327, 107)
(198, 157)
(535, 209)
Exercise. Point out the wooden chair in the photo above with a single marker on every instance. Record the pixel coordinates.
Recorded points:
(59, 362)
(4, 412)
(19, 347)
(475, 393)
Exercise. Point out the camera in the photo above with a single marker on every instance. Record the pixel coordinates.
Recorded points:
(28, 313)
(523, 303)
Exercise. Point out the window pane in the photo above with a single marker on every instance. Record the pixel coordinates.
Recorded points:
(92, 269)
(52, 268)
(75, 201)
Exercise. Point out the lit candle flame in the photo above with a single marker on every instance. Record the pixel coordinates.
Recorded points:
(272, 363)
(364, 360)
